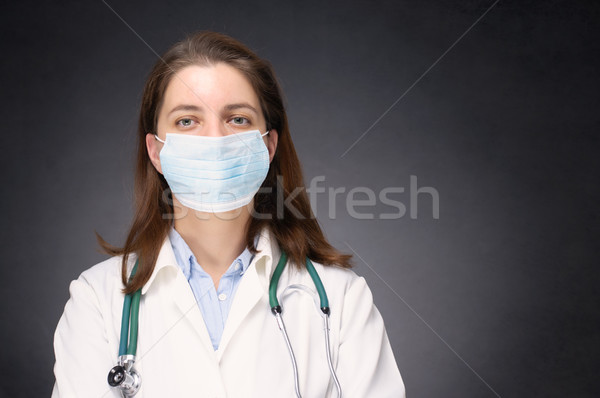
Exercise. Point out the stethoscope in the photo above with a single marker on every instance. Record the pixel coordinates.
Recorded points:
(128, 380)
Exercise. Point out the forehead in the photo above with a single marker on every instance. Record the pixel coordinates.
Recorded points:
(214, 86)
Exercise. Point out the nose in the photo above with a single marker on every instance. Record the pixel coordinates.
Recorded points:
(214, 127)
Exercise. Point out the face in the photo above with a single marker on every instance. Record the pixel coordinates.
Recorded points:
(214, 100)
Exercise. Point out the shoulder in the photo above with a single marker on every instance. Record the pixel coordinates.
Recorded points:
(336, 273)
(351, 301)
(93, 296)
(104, 278)
(344, 281)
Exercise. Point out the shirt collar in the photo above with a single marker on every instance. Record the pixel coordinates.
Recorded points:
(186, 259)
(261, 263)
(246, 259)
(183, 254)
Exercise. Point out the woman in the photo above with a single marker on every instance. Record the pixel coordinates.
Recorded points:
(219, 206)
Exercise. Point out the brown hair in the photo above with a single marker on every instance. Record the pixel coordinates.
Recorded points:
(297, 233)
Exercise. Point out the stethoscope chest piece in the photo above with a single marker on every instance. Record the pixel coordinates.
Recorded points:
(125, 377)
(128, 380)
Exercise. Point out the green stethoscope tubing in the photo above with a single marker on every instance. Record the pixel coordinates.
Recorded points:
(131, 311)
(277, 310)
(131, 303)
(274, 302)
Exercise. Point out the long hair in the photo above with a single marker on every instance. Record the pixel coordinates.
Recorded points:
(296, 230)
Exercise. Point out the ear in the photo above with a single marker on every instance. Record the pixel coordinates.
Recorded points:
(272, 138)
(154, 147)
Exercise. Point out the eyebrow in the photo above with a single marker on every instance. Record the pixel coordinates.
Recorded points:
(230, 107)
(186, 107)
(233, 107)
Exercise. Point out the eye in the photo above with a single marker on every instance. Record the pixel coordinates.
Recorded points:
(185, 122)
(240, 121)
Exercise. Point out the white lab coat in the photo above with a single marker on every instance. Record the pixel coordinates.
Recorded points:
(175, 356)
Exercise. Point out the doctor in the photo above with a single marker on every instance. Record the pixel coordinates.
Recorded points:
(219, 199)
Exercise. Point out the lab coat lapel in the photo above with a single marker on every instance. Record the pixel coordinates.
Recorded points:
(171, 284)
(247, 296)
(186, 302)
(253, 286)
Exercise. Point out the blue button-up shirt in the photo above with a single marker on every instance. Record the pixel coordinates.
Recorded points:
(214, 304)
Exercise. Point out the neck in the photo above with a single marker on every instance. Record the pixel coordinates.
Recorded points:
(215, 239)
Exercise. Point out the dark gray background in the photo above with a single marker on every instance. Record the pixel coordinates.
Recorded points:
(504, 126)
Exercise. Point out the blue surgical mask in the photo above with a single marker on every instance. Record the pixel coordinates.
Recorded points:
(214, 174)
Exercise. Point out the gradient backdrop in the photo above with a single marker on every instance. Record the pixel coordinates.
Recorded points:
(493, 105)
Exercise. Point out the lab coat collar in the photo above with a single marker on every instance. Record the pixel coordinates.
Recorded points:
(268, 253)
(262, 263)
(166, 260)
